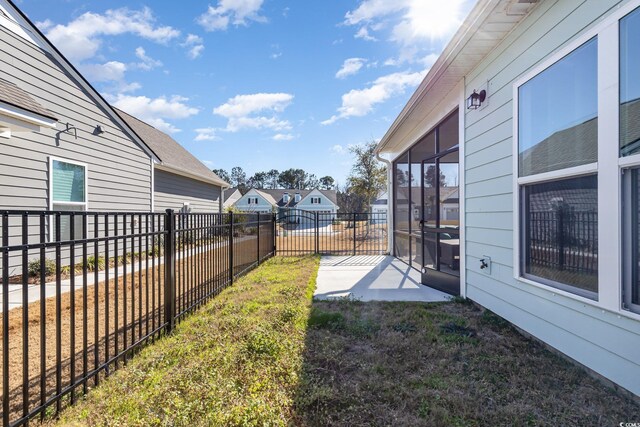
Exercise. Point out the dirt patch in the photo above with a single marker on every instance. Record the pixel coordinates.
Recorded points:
(366, 238)
(95, 325)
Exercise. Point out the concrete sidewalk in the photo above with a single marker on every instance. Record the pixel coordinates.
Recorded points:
(372, 278)
(34, 291)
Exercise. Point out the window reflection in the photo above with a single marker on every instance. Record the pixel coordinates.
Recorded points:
(630, 84)
(558, 114)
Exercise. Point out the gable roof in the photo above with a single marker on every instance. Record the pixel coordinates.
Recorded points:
(11, 94)
(277, 194)
(171, 154)
(230, 192)
(44, 43)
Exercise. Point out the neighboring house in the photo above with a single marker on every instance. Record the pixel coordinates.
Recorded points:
(256, 201)
(180, 181)
(62, 145)
(231, 196)
(281, 200)
(379, 208)
(64, 148)
(546, 168)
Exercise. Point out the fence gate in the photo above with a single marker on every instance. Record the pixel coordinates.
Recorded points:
(300, 232)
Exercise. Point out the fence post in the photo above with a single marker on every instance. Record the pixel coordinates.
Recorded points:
(274, 220)
(317, 217)
(258, 234)
(561, 242)
(231, 247)
(354, 233)
(170, 269)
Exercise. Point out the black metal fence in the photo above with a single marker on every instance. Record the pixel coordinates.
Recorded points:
(305, 232)
(83, 291)
(564, 240)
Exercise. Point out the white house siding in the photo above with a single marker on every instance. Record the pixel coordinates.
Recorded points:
(263, 205)
(603, 340)
(119, 171)
(325, 204)
(173, 191)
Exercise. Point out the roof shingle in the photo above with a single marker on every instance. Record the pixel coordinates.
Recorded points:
(168, 150)
(13, 95)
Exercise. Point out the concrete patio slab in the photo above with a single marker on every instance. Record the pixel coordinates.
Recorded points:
(372, 278)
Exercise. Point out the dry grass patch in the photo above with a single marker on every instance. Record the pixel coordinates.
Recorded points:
(235, 362)
(412, 364)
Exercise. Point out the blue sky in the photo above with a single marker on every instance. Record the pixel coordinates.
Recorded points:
(260, 84)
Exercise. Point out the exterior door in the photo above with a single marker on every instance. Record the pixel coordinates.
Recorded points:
(440, 224)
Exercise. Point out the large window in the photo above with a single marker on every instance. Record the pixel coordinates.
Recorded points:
(630, 84)
(561, 234)
(68, 193)
(558, 114)
(557, 155)
(630, 146)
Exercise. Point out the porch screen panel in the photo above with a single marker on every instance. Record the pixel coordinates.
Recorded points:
(401, 205)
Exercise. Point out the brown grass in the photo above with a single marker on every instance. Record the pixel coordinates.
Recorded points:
(367, 239)
(141, 293)
(413, 364)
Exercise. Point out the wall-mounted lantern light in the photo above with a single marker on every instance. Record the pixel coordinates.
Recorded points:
(476, 99)
(99, 130)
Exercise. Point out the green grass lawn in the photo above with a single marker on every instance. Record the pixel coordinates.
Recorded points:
(263, 354)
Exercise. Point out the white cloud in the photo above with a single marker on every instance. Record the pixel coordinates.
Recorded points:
(194, 44)
(112, 71)
(147, 63)
(350, 66)
(363, 33)
(338, 149)
(243, 105)
(370, 10)
(283, 137)
(236, 12)
(360, 102)
(411, 22)
(255, 111)
(206, 134)
(81, 38)
(156, 111)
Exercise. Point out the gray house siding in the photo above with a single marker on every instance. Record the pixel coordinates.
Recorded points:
(118, 170)
(604, 341)
(172, 191)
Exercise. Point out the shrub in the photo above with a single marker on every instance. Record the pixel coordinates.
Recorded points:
(94, 263)
(49, 267)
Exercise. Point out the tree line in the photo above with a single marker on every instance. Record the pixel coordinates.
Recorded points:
(292, 178)
(367, 179)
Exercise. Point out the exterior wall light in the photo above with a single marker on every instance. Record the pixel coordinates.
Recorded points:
(475, 100)
(99, 130)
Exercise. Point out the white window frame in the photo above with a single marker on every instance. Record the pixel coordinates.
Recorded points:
(86, 189)
(608, 167)
(315, 200)
(252, 200)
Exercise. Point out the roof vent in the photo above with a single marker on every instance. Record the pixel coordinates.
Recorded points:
(297, 197)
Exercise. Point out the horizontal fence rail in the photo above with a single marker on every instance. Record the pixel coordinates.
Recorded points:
(82, 292)
(306, 232)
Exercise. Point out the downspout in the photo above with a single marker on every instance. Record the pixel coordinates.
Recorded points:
(389, 202)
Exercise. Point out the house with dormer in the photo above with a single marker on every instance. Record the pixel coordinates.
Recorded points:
(282, 200)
